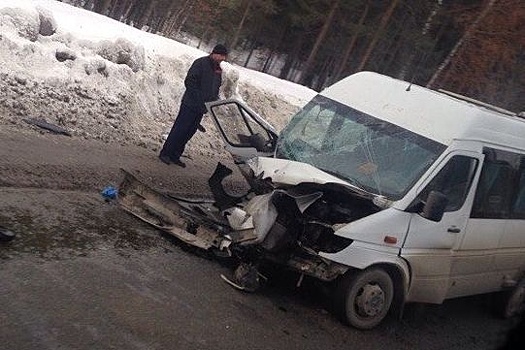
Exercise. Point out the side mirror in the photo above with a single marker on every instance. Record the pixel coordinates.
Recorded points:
(434, 207)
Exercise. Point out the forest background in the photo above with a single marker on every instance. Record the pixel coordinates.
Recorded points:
(471, 47)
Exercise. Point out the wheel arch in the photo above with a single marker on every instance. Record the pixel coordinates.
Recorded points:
(400, 281)
(398, 269)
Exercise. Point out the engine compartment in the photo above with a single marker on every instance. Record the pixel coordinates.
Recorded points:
(292, 223)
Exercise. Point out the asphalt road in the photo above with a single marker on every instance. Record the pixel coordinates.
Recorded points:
(83, 274)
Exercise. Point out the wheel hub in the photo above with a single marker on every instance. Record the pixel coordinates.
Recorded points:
(371, 301)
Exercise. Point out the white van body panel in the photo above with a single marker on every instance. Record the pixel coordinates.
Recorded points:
(426, 112)
(513, 236)
(361, 255)
(375, 228)
(480, 255)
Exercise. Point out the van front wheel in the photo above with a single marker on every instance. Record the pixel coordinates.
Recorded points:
(364, 298)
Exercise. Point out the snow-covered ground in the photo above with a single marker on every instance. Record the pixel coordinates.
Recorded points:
(102, 79)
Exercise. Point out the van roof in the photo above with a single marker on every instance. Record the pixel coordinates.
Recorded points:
(442, 117)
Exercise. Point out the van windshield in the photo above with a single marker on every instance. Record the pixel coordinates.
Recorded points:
(375, 155)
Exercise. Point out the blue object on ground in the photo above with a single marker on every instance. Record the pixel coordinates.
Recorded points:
(109, 192)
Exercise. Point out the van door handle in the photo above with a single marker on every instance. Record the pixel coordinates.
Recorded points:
(454, 229)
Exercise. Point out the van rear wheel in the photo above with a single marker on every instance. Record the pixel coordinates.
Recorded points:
(364, 298)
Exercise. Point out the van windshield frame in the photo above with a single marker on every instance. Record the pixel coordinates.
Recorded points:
(368, 152)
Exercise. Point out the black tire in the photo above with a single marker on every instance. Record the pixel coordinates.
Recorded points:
(363, 298)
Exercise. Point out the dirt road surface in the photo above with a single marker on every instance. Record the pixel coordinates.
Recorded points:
(83, 274)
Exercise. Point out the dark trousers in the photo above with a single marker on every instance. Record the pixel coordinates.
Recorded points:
(182, 131)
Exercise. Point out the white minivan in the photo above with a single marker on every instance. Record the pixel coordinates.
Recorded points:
(390, 192)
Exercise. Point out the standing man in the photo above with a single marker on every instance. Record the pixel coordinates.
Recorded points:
(202, 85)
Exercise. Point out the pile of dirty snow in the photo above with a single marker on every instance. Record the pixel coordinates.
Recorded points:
(100, 79)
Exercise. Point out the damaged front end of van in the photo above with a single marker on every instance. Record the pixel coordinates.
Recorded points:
(310, 190)
(288, 217)
(291, 214)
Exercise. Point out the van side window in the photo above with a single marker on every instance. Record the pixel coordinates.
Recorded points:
(454, 181)
(496, 195)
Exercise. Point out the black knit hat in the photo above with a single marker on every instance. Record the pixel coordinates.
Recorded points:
(220, 49)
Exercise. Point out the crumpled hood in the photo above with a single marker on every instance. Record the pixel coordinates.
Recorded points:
(289, 172)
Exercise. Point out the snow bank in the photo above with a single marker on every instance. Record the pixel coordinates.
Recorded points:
(101, 79)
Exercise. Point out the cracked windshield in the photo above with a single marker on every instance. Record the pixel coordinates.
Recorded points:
(370, 153)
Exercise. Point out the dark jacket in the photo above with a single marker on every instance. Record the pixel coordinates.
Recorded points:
(202, 83)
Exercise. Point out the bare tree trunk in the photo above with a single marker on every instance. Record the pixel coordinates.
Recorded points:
(427, 26)
(323, 74)
(252, 44)
(384, 21)
(250, 54)
(127, 11)
(136, 13)
(241, 24)
(172, 21)
(117, 9)
(88, 5)
(102, 6)
(346, 55)
(186, 16)
(391, 61)
(204, 35)
(486, 9)
(269, 60)
(291, 59)
(146, 15)
(320, 37)
(285, 70)
(167, 17)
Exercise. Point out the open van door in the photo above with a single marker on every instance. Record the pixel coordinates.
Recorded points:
(245, 134)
